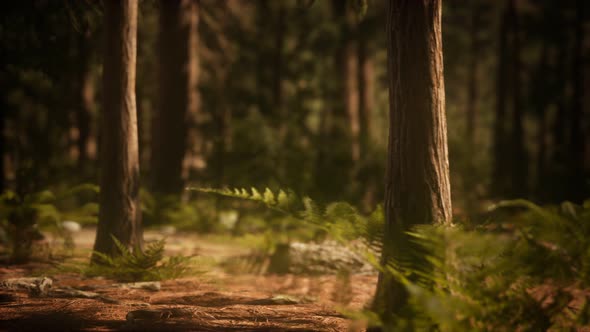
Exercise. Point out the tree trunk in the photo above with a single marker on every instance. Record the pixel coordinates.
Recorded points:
(350, 77)
(417, 186)
(366, 90)
(366, 94)
(86, 98)
(541, 104)
(263, 13)
(2, 146)
(277, 85)
(519, 158)
(499, 173)
(176, 116)
(352, 97)
(472, 79)
(347, 67)
(542, 156)
(120, 214)
(577, 186)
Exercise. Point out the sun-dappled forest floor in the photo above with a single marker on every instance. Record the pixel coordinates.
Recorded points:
(211, 300)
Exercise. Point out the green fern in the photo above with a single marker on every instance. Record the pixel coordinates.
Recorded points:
(461, 279)
(340, 220)
(484, 280)
(135, 265)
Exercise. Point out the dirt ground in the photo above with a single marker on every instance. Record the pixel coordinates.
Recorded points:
(212, 301)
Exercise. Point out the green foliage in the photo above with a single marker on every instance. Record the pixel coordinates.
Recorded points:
(510, 274)
(194, 215)
(47, 208)
(24, 215)
(507, 276)
(135, 265)
(340, 220)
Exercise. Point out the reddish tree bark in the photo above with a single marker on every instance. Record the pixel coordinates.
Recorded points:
(120, 213)
(417, 186)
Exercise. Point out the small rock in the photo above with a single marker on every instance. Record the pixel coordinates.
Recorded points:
(317, 258)
(71, 226)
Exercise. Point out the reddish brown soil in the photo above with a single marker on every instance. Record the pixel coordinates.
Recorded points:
(215, 300)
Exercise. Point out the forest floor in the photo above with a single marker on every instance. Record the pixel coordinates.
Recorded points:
(210, 301)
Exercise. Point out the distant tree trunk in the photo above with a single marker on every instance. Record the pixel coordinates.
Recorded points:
(86, 98)
(519, 157)
(541, 156)
(352, 98)
(417, 186)
(120, 214)
(499, 175)
(577, 185)
(222, 125)
(176, 115)
(347, 66)
(262, 30)
(366, 92)
(2, 145)
(277, 86)
(472, 76)
(541, 103)
(559, 153)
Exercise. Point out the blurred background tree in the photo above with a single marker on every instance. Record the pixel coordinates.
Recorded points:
(293, 94)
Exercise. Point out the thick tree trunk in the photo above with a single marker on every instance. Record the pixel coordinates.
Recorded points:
(120, 214)
(176, 115)
(417, 186)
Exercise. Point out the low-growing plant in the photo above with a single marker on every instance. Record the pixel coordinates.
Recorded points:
(23, 216)
(514, 274)
(518, 271)
(339, 220)
(149, 264)
(159, 209)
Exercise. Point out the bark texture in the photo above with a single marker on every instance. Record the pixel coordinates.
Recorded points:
(119, 214)
(175, 121)
(417, 187)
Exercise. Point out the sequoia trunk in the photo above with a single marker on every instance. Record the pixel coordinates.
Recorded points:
(119, 214)
(417, 187)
